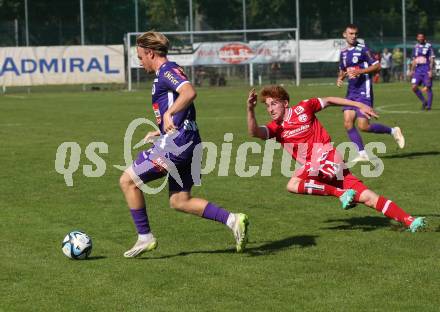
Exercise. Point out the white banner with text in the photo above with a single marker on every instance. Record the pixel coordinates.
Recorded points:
(30, 66)
(256, 52)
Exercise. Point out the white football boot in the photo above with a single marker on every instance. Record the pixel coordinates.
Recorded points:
(240, 230)
(360, 158)
(398, 137)
(143, 244)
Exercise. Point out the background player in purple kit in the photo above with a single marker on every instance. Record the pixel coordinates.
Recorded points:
(172, 96)
(357, 62)
(421, 70)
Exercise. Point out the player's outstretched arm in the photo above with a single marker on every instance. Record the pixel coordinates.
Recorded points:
(253, 128)
(187, 94)
(367, 110)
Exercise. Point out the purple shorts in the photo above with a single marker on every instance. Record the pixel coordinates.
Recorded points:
(421, 78)
(150, 165)
(358, 98)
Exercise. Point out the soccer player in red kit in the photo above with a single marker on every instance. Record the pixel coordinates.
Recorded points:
(323, 170)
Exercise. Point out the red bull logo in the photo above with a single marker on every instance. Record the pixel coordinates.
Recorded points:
(236, 53)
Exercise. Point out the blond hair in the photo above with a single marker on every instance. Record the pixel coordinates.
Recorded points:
(155, 41)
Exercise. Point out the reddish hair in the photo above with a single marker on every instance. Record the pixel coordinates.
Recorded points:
(275, 92)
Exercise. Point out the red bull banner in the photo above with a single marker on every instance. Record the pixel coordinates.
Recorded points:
(263, 52)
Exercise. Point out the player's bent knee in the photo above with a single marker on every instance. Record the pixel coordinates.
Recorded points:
(414, 88)
(368, 198)
(348, 124)
(292, 186)
(364, 127)
(174, 203)
(125, 181)
(177, 203)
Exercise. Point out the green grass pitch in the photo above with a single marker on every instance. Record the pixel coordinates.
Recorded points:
(305, 253)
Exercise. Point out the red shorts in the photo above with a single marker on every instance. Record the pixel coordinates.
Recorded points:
(350, 181)
(330, 168)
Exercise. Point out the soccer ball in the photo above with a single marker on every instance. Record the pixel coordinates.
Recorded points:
(77, 245)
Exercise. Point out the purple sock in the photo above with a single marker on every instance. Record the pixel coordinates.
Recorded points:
(213, 212)
(356, 138)
(378, 128)
(429, 98)
(420, 95)
(140, 219)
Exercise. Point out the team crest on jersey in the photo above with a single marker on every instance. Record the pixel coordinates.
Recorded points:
(302, 117)
(298, 110)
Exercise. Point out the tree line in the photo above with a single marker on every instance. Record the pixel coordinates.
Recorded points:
(54, 22)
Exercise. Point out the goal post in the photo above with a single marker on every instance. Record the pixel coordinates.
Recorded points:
(227, 57)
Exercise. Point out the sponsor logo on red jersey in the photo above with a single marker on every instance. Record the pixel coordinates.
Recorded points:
(294, 132)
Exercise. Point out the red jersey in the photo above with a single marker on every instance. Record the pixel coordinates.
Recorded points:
(300, 130)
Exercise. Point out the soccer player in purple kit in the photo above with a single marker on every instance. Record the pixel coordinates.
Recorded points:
(172, 97)
(421, 70)
(358, 64)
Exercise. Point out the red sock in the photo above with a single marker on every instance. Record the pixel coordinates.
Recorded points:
(313, 187)
(392, 211)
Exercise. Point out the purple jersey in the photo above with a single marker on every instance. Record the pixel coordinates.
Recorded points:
(169, 78)
(354, 58)
(422, 54)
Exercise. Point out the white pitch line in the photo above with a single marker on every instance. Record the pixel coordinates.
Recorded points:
(21, 97)
(384, 109)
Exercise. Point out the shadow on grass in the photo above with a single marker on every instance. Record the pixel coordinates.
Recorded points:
(368, 224)
(268, 248)
(412, 155)
(96, 258)
(432, 221)
(365, 224)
